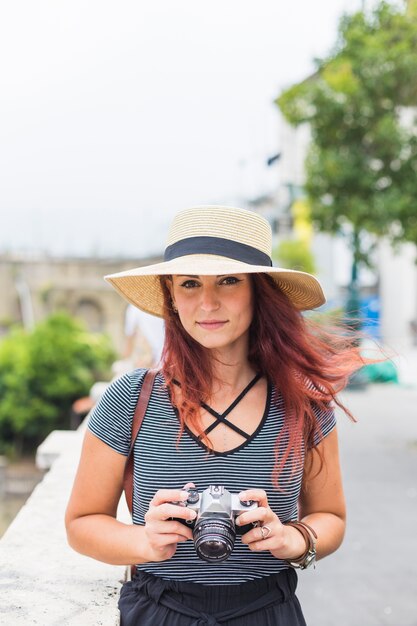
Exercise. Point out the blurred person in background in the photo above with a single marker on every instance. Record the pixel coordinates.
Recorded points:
(144, 338)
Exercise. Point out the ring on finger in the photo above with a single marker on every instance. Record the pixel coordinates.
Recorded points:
(265, 532)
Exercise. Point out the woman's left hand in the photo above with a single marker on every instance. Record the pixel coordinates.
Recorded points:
(284, 542)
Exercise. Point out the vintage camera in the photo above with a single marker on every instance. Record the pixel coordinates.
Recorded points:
(214, 528)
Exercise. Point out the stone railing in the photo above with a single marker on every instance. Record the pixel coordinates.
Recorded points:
(42, 580)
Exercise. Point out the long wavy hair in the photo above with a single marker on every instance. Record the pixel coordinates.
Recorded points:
(308, 363)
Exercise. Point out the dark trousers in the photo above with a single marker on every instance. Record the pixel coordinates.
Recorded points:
(151, 601)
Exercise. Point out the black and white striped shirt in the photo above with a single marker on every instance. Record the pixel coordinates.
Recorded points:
(161, 463)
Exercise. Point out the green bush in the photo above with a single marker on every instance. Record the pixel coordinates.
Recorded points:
(42, 372)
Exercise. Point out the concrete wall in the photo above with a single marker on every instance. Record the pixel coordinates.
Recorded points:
(42, 580)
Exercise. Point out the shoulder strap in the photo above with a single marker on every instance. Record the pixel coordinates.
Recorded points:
(141, 406)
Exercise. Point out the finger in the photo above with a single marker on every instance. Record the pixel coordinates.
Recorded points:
(168, 495)
(252, 536)
(261, 514)
(255, 537)
(260, 546)
(189, 486)
(166, 540)
(166, 511)
(170, 527)
(258, 495)
(273, 541)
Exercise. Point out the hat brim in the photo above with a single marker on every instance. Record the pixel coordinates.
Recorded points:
(141, 285)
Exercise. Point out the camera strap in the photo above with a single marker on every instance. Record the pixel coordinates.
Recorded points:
(141, 406)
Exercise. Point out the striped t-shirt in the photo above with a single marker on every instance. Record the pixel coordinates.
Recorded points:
(162, 463)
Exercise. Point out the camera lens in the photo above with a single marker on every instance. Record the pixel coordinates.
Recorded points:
(214, 539)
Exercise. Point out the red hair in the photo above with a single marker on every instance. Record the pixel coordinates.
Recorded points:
(308, 363)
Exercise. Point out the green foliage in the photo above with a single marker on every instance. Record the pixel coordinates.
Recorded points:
(42, 372)
(362, 165)
(295, 254)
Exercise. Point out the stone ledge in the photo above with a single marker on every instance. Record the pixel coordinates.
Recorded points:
(54, 445)
(43, 581)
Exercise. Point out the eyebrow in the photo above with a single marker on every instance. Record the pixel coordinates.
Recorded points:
(195, 275)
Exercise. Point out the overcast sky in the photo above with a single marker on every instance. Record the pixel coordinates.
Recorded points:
(115, 114)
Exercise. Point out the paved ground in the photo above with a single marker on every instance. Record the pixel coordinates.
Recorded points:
(372, 579)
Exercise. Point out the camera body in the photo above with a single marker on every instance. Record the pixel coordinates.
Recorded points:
(214, 528)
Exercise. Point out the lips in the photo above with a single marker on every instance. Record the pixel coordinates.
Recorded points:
(212, 324)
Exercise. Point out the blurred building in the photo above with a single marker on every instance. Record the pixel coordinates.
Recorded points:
(33, 287)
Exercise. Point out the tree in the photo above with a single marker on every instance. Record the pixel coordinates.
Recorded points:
(295, 254)
(42, 372)
(361, 169)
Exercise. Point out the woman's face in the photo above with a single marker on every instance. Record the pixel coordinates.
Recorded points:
(215, 310)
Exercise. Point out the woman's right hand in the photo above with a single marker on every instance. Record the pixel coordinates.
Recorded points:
(162, 532)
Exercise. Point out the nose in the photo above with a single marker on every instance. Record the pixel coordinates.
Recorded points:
(209, 299)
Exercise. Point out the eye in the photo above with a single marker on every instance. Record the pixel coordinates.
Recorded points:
(230, 280)
(189, 284)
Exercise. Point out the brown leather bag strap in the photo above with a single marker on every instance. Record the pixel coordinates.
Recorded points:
(141, 406)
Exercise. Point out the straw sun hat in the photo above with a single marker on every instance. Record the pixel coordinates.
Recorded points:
(215, 240)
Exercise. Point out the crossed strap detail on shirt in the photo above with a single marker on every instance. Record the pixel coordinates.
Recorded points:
(221, 417)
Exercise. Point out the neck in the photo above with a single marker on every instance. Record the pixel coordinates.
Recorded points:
(231, 369)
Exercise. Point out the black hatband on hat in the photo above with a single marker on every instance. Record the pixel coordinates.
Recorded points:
(217, 246)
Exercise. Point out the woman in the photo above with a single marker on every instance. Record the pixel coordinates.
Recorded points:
(243, 402)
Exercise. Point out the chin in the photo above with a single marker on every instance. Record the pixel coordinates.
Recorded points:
(212, 345)
(217, 343)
